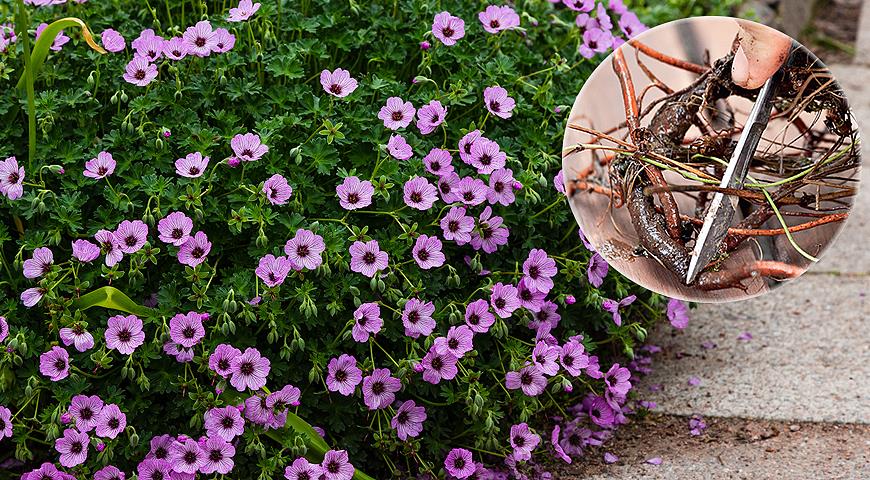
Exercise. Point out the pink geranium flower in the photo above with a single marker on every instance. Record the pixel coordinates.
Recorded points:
(194, 250)
(498, 102)
(399, 148)
(191, 166)
(140, 72)
(244, 11)
(397, 113)
(124, 334)
(277, 190)
(248, 147)
(367, 258)
(448, 28)
(100, 167)
(337, 83)
(200, 39)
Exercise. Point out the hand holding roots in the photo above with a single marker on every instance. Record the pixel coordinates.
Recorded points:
(811, 176)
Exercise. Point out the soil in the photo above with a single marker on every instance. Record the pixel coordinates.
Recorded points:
(728, 448)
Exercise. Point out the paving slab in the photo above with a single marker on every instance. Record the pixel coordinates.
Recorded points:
(808, 359)
(862, 44)
(849, 252)
(729, 449)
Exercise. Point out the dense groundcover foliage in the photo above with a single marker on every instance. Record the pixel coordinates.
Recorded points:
(288, 245)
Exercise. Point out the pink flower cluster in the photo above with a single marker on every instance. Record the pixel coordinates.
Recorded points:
(199, 40)
(598, 33)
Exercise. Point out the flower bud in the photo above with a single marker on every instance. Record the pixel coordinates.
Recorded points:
(570, 300)
(233, 162)
(65, 418)
(101, 446)
(124, 96)
(134, 439)
(424, 45)
(91, 80)
(114, 99)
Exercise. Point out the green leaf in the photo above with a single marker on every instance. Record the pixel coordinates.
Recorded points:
(46, 39)
(111, 297)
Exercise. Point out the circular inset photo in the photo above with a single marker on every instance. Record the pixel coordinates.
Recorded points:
(711, 159)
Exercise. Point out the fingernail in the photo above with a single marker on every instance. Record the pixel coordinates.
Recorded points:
(740, 68)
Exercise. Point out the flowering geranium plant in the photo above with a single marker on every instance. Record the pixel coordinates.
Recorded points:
(302, 240)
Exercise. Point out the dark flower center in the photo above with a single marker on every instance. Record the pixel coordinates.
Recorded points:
(526, 378)
(445, 188)
(485, 159)
(568, 361)
(215, 455)
(194, 170)
(200, 42)
(500, 302)
(434, 117)
(130, 240)
(124, 335)
(333, 467)
(247, 368)
(534, 271)
(363, 320)
(114, 423)
(437, 363)
(139, 75)
(416, 197)
(302, 251)
(303, 476)
(402, 418)
(13, 177)
(526, 295)
(423, 255)
(459, 463)
(595, 413)
(102, 170)
(59, 364)
(413, 316)
(177, 233)
(340, 376)
(247, 153)
(486, 232)
(474, 319)
(352, 198)
(77, 329)
(227, 422)
(468, 196)
(397, 115)
(157, 475)
(378, 388)
(519, 441)
(335, 88)
(86, 413)
(494, 106)
(197, 252)
(453, 226)
(369, 258)
(76, 447)
(498, 187)
(160, 453)
(188, 332)
(453, 343)
(190, 457)
(435, 166)
(223, 364)
(447, 32)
